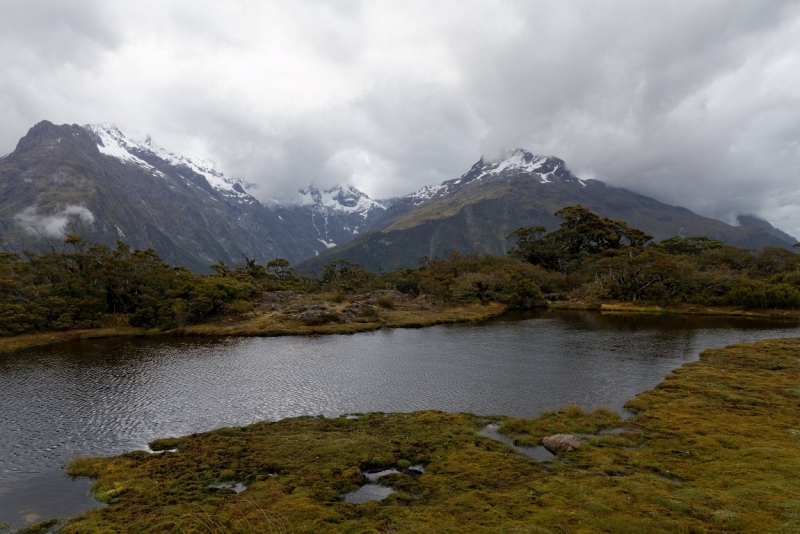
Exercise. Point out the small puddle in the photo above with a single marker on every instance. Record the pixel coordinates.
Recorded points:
(537, 453)
(416, 470)
(377, 492)
(238, 487)
(151, 451)
(375, 475)
(368, 492)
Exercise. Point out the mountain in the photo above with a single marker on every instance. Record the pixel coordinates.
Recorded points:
(95, 181)
(756, 222)
(331, 217)
(476, 212)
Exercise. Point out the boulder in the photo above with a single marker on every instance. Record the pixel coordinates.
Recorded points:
(561, 443)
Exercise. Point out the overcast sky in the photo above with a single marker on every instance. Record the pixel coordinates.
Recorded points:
(695, 102)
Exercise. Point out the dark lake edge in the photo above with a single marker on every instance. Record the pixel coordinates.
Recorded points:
(76, 491)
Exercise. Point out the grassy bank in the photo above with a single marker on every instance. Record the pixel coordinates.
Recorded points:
(24, 341)
(399, 313)
(713, 448)
(694, 309)
(304, 315)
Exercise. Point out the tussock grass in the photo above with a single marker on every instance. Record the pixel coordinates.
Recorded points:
(713, 448)
(691, 309)
(12, 343)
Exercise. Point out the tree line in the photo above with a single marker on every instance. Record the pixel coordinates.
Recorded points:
(591, 258)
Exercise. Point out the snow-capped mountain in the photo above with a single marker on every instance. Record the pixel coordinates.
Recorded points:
(104, 185)
(95, 181)
(514, 164)
(340, 199)
(333, 216)
(547, 169)
(477, 211)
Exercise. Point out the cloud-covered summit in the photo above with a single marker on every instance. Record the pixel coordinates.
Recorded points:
(692, 102)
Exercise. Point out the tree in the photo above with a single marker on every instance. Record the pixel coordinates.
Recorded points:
(581, 233)
(281, 269)
(689, 245)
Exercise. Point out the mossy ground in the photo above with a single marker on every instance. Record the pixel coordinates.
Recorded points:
(714, 448)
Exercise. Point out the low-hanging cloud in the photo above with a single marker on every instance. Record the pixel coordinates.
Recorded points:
(693, 102)
(54, 225)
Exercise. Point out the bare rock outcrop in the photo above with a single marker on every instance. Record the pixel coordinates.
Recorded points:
(561, 443)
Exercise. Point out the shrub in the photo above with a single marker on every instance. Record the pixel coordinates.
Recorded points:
(386, 301)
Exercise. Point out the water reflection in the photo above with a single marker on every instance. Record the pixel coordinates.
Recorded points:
(107, 397)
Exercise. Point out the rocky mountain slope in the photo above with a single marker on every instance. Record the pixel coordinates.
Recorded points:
(475, 213)
(94, 181)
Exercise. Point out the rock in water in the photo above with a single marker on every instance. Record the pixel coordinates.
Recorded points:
(561, 442)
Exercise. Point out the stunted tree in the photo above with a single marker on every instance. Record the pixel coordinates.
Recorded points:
(281, 269)
(581, 232)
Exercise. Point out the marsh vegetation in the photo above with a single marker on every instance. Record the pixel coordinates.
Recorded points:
(714, 448)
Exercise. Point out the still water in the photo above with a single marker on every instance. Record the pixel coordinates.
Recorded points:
(110, 396)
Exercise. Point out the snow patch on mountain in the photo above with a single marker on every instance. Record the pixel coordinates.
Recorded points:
(522, 161)
(112, 142)
(342, 199)
(519, 160)
(546, 169)
(429, 191)
(202, 167)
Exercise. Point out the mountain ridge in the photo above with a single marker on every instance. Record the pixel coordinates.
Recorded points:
(476, 213)
(108, 186)
(100, 183)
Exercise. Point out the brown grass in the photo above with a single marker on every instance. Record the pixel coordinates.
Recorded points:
(402, 315)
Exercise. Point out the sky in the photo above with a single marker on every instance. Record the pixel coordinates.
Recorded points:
(693, 102)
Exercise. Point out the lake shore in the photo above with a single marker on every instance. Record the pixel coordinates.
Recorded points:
(714, 448)
(680, 309)
(301, 317)
(402, 314)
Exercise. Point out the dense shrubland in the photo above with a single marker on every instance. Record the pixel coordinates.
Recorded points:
(588, 259)
(600, 259)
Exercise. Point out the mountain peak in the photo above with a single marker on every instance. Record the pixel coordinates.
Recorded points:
(545, 169)
(340, 198)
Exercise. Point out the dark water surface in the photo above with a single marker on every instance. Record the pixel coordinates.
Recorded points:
(110, 396)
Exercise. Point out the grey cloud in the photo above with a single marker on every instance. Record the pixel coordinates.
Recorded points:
(692, 102)
(633, 97)
(53, 225)
(56, 33)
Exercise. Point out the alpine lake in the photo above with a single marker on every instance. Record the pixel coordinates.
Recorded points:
(106, 397)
